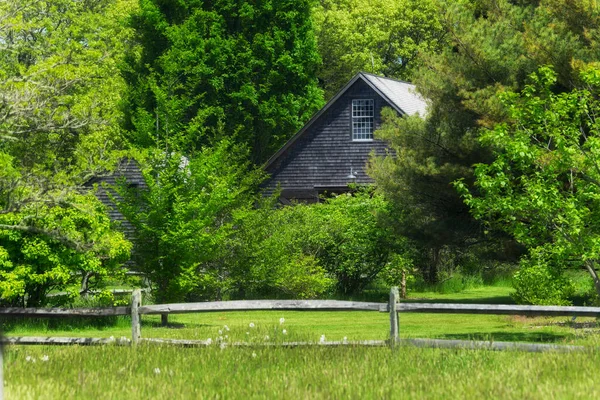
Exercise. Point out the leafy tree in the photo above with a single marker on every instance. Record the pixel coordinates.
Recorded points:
(304, 250)
(381, 36)
(543, 186)
(59, 121)
(206, 70)
(493, 47)
(184, 217)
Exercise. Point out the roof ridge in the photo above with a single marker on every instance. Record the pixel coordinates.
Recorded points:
(388, 78)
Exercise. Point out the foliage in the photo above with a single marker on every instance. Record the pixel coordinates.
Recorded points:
(339, 242)
(59, 122)
(207, 70)
(184, 217)
(543, 185)
(382, 37)
(492, 47)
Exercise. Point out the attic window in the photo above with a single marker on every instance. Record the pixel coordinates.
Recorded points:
(362, 119)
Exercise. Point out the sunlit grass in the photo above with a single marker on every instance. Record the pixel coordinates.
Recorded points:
(164, 372)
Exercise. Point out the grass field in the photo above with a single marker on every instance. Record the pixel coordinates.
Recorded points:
(164, 372)
(151, 371)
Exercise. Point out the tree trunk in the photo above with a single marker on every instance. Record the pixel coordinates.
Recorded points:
(403, 285)
(432, 273)
(592, 270)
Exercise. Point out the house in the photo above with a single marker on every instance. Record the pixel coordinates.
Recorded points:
(332, 149)
(127, 171)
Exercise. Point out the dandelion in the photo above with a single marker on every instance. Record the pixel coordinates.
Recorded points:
(226, 328)
(209, 341)
(222, 346)
(226, 336)
(281, 321)
(284, 332)
(157, 371)
(251, 325)
(45, 358)
(220, 338)
(253, 355)
(220, 332)
(29, 359)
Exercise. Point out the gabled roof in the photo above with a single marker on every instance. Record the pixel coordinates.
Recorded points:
(402, 96)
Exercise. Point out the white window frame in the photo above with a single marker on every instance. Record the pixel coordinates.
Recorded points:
(363, 120)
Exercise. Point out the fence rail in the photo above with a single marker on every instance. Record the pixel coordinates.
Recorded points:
(393, 307)
(253, 305)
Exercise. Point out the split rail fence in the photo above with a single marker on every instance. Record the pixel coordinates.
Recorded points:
(393, 307)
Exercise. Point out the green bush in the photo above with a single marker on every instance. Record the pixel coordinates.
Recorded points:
(540, 283)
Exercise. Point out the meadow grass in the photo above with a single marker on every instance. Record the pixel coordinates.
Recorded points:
(158, 372)
(165, 372)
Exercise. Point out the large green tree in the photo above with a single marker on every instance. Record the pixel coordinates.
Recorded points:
(184, 217)
(493, 46)
(543, 186)
(59, 122)
(380, 36)
(204, 70)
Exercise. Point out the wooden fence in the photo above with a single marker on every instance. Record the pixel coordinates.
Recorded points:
(393, 307)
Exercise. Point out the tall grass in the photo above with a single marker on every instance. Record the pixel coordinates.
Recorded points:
(164, 372)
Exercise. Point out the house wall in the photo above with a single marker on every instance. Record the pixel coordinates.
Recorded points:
(322, 156)
(130, 171)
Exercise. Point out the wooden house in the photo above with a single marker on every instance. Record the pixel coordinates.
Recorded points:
(332, 149)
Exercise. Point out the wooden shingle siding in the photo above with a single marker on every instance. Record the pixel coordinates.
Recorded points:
(129, 170)
(325, 154)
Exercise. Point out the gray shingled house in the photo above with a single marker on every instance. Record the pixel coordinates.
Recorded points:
(332, 149)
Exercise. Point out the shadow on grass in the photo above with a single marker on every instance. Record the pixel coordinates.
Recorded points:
(499, 336)
(479, 300)
(8, 324)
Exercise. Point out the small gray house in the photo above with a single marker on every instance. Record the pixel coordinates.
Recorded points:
(332, 149)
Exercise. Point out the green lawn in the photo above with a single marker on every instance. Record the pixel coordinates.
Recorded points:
(163, 372)
(337, 325)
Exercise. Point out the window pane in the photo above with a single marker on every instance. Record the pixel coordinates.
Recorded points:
(362, 119)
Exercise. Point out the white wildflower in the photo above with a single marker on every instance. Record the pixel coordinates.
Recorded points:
(29, 358)
(284, 332)
(157, 371)
(220, 332)
(281, 321)
(220, 338)
(251, 325)
(345, 340)
(322, 339)
(45, 358)
(247, 333)
(253, 355)
(222, 346)
(226, 336)
(209, 341)
(267, 337)
(226, 328)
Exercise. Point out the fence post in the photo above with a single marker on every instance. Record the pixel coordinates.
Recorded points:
(136, 328)
(394, 325)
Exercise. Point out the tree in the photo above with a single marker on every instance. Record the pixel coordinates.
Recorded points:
(381, 37)
(307, 249)
(184, 218)
(207, 70)
(543, 186)
(59, 122)
(493, 47)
